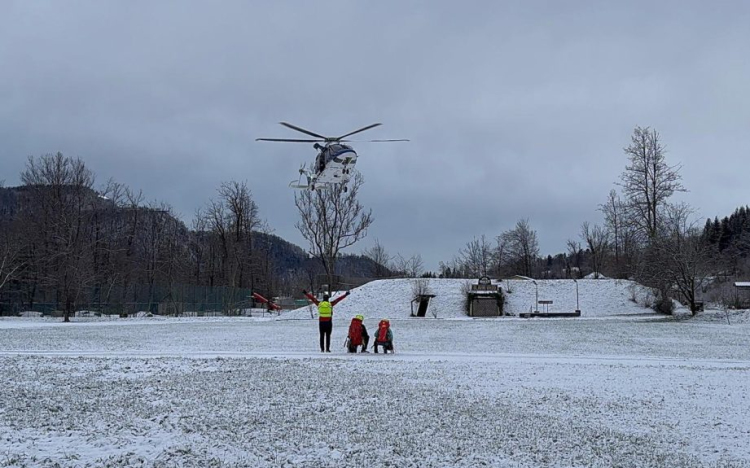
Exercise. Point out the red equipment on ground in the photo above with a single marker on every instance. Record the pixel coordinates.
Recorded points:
(271, 305)
(383, 327)
(355, 332)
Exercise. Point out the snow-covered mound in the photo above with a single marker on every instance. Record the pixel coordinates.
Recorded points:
(391, 298)
(729, 316)
(593, 275)
(596, 297)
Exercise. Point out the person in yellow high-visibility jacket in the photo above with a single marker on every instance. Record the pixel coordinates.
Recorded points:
(325, 318)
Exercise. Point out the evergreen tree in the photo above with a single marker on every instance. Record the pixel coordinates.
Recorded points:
(725, 236)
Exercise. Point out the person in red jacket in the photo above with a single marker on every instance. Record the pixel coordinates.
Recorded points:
(325, 318)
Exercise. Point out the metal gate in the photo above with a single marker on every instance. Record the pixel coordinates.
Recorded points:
(484, 307)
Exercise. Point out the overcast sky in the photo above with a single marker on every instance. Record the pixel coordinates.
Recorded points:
(514, 109)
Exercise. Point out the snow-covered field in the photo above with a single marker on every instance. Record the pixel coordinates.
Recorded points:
(630, 391)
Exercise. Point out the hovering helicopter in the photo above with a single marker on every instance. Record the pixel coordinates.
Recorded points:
(334, 162)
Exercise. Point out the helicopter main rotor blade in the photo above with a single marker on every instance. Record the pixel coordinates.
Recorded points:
(357, 131)
(371, 141)
(308, 132)
(290, 140)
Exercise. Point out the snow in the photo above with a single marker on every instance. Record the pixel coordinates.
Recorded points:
(616, 387)
(594, 275)
(30, 313)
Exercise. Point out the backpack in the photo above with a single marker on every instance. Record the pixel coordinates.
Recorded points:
(355, 333)
(383, 327)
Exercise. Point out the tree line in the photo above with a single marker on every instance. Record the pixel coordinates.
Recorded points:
(645, 236)
(65, 245)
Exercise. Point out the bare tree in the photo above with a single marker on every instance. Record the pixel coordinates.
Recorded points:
(415, 266)
(10, 247)
(420, 287)
(597, 240)
(477, 257)
(62, 203)
(500, 255)
(10, 262)
(685, 259)
(614, 218)
(410, 267)
(242, 219)
(199, 245)
(451, 269)
(380, 257)
(574, 259)
(332, 219)
(228, 244)
(156, 236)
(263, 262)
(648, 181)
(522, 247)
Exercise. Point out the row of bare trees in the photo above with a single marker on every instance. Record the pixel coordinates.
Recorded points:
(653, 239)
(644, 236)
(515, 251)
(386, 265)
(62, 242)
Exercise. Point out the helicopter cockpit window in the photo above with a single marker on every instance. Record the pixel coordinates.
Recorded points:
(333, 150)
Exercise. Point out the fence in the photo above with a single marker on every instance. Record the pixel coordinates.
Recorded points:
(157, 300)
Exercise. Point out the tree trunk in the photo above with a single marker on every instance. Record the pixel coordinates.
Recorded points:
(68, 309)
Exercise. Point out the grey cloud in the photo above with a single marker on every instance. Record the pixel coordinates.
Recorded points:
(515, 109)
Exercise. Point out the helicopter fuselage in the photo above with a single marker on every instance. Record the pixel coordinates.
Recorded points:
(333, 164)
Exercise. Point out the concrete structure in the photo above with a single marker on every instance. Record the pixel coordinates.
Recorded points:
(485, 299)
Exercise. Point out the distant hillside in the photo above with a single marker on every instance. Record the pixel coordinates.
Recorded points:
(11, 199)
(284, 256)
(287, 257)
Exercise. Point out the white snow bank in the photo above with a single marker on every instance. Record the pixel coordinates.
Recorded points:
(730, 316)
(392, 298)
(30, 314)
(593, 275)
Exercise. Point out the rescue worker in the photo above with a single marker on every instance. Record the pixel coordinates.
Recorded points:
(357, 335)
(325, 318)
(320, 162)
(384, 337)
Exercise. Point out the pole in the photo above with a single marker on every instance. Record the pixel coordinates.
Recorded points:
(578, 308)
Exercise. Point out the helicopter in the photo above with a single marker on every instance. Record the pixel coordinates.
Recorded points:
(334, 162)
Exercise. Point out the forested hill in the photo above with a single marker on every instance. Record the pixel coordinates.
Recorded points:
(731, 232)
(287, 257)
(157, 233)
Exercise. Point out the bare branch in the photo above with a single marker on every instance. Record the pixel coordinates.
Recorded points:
(332, 219)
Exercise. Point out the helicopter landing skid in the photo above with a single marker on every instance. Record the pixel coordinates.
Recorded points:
(295, 184)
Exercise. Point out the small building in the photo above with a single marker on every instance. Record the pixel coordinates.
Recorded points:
(742, 294)
(485, 299)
